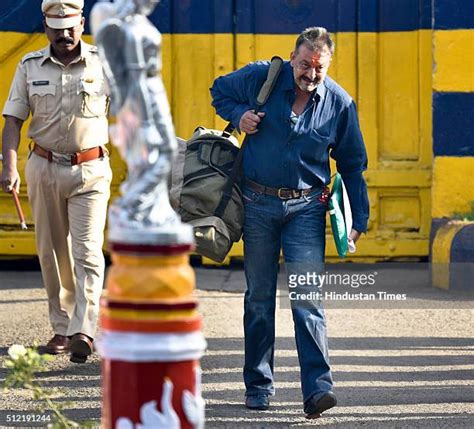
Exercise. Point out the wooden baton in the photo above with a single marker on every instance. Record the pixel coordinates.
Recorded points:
(21, 216)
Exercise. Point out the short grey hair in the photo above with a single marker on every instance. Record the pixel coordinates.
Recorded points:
(315, 38)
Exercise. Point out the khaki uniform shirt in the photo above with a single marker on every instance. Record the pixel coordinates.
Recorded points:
(68, 104)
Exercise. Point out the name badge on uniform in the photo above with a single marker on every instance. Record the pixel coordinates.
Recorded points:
(40, 82)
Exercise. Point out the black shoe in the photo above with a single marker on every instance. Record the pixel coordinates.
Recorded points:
(81, 347)
(316, 405)
(258, 402)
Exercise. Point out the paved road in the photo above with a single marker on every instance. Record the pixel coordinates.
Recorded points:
(393, 367)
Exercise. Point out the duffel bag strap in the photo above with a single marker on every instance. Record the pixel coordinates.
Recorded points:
(232, 179)
(228, 130)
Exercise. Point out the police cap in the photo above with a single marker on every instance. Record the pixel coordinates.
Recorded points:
(61, 14)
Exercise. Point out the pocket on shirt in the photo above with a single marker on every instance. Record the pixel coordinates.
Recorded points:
(42, 99)
(323, 133)
(93, 100)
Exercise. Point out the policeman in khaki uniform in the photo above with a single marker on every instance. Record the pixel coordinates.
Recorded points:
(68, 171)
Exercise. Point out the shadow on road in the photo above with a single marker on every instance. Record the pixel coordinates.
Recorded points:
(405, 377)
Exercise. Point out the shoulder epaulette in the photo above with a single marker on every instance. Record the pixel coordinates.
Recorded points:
(93, 49)
(31, 55)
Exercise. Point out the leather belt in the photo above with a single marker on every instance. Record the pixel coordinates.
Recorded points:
(282, 193)
(69, 159)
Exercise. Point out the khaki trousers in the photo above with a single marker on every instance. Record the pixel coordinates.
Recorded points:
(69, 205)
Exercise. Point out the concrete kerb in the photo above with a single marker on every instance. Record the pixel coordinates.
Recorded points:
(452, 256)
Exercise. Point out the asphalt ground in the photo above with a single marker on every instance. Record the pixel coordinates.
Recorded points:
(392, 367)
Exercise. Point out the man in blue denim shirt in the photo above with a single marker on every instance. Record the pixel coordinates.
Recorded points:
(307, 117)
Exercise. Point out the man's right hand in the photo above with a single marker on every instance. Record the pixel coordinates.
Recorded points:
(10, 180)
(249, 121)
(10, 143)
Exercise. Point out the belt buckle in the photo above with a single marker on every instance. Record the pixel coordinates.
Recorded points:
(279, 193)
(288, 196)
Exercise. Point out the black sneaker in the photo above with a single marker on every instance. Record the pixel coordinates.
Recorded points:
(317, 404)
(257, 402)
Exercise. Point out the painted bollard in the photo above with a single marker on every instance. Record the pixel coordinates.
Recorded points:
(151, 342)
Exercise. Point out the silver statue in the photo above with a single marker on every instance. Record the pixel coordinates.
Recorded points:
(130, 49)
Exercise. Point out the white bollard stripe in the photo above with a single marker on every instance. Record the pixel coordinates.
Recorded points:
(135, 347)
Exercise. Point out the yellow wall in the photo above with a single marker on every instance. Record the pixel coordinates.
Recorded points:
(453, 68)
(453, 80)
(453, 185)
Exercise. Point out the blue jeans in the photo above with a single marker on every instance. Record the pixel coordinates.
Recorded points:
(298, 227)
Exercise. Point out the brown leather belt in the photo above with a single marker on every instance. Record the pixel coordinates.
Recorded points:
(69, 159)
(282, 193)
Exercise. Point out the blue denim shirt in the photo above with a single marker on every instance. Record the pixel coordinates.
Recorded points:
(283, 154)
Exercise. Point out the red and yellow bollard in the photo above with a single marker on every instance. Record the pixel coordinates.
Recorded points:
(151, 340)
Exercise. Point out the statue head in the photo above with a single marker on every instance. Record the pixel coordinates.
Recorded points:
(142, 7)
(145, 7)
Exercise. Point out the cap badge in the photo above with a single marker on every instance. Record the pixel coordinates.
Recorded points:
(61, 13)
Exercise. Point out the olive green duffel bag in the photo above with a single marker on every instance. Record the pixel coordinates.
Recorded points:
(200, 191)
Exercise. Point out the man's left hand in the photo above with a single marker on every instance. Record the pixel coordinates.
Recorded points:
(354, 235)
